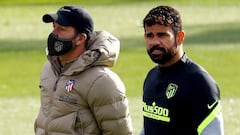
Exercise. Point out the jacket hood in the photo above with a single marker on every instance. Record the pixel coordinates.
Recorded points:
(106, 46)
(102, 50)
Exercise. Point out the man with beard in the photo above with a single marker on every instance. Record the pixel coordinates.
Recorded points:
(179, 96)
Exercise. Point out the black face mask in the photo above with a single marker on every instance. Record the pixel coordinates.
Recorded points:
(57, 46)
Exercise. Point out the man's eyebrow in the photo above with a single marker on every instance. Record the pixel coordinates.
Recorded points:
(163, 33)
(148, 33)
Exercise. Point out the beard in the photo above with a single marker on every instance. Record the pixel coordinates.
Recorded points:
(166, 55)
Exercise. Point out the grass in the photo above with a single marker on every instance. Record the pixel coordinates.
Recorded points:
(19, 114)
(212, 40)
(114, 2)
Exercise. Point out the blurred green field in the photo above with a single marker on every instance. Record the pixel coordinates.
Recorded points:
(212, 40)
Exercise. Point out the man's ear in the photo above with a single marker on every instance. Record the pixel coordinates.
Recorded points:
(81, 38)
(180, 37)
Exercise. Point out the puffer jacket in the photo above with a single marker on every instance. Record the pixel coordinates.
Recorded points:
(84, 97)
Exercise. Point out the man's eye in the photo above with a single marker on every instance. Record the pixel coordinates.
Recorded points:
(149, 35)
(62, 29)
(162, 34)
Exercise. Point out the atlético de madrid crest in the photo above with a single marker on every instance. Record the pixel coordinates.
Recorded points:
(69, 85)
(171, 90)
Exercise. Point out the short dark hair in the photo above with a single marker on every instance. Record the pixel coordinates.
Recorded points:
(164, 15)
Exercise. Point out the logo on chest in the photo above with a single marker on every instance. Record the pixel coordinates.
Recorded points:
(171, 90)
(69, 85)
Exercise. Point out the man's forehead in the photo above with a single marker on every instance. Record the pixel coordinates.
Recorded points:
(158, 28)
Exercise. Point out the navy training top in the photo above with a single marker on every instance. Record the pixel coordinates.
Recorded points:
(178, 98)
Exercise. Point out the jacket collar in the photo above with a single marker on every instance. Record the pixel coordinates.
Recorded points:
(103, 50)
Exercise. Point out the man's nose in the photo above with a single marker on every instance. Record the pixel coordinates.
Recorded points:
(154, 41)
(55, 32)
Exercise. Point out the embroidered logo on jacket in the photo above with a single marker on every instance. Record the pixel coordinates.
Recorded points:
(69, 85)
(171, 90)
(68, 99)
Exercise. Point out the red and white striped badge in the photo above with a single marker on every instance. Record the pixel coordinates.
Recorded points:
(69, 85)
